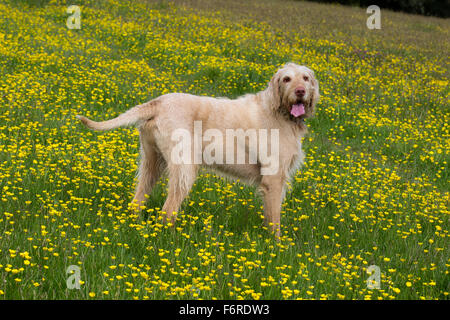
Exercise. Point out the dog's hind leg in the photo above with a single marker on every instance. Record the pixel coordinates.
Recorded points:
(181, 179)
(151, 167)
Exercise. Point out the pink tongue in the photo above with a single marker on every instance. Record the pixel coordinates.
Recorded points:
(297, 110)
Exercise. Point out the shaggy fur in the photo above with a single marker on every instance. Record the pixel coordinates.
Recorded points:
(268, 109)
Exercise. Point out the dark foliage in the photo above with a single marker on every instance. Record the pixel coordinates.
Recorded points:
(439, 8)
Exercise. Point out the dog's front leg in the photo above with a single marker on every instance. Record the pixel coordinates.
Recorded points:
(273, 190)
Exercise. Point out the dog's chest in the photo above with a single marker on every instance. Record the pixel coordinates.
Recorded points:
(296, 156)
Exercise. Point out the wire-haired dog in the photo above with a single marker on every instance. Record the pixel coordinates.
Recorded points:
(290, 97)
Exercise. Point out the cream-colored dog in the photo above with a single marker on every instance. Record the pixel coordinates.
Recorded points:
(281, 108)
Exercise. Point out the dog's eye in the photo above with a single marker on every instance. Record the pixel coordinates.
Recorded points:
(286, 79)
(305, 78)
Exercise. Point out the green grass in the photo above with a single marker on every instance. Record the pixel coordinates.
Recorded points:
(374, 189)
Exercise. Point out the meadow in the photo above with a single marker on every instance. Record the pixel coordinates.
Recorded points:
(374, 189)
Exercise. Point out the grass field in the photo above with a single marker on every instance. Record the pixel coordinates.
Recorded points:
(374, 189)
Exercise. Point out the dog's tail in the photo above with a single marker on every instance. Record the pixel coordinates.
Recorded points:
(135, 115)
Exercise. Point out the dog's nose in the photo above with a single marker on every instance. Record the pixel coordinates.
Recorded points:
(300, 92)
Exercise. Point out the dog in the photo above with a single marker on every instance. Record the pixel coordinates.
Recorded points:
(290, 97)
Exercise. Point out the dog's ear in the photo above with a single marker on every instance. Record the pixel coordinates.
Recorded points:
(315, 96)
(274, 92)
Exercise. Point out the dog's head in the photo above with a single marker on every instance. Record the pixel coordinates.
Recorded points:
(294, 91)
